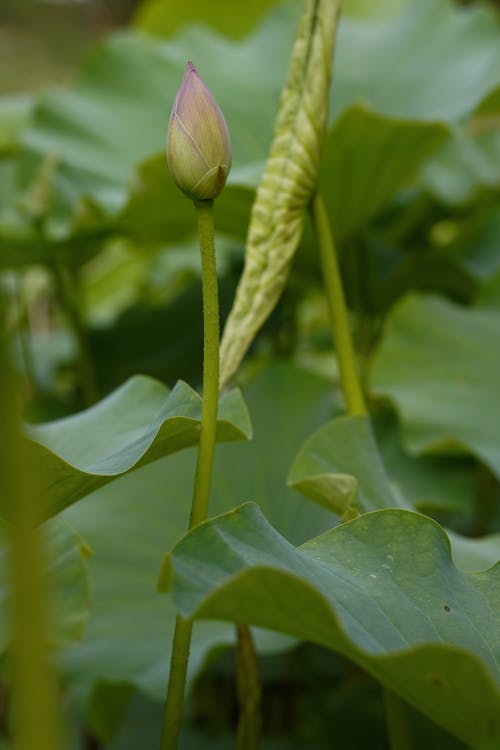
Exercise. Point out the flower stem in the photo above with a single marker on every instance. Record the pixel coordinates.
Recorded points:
(199, 508)
(349, 378)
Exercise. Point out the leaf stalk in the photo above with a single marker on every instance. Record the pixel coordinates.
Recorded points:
(341, 334)
(397, 723)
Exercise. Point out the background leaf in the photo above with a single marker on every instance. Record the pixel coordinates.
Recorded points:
(367, 158)
(68, 578)
(456, 352)
(129, 522)
(162, 18)
(433, 61)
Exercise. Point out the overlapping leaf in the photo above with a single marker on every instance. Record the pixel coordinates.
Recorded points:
(115, 116)
(160, 18)
(468, 165)
(429, 483)
(130, 522)
(367, 158)
(339, 466)
(67, 574)
(137, 424)
(433, 61)
(381, 589)
(454, 401)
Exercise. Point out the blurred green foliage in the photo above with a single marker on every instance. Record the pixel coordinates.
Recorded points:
(101, 277)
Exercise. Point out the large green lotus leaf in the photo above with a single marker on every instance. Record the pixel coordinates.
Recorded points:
(433, 61)
(381, 589)
(489, 296)
(476, 246)
(439, 364)
(468, 165)
(128, 638)
(367, 157)
(129, 522)
(68, 580)
(429, 483)
(367, 9)
(259, 473)
(136, 424)
(163, 17)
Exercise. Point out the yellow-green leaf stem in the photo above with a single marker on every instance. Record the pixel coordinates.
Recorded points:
(398, 730)
(172, 717)
(287, 184)
(35, 716)
(397, 724)
(349, 379)
(199, 508)
(249, 690)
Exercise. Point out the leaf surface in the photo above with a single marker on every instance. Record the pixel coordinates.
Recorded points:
(129, 522)
(433, 61)
(367, 158)
(381, 589)
(136, 424)
(439, 364)
(68, 581)
(340, 466)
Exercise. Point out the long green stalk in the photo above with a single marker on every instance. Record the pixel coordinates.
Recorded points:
(35, 716)
(199, 508)
(203, 479)
(397, 724)
(249, 690)
(349, 378)
(398, 730)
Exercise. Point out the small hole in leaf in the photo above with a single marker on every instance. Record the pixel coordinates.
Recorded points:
(447, 608)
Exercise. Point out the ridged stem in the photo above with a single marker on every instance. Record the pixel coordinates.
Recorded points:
(396, 718)
(249, 690)
(341, 334)
(397, 723)
(203, 477)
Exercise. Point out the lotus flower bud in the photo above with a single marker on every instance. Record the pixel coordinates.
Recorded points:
(198, 142)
